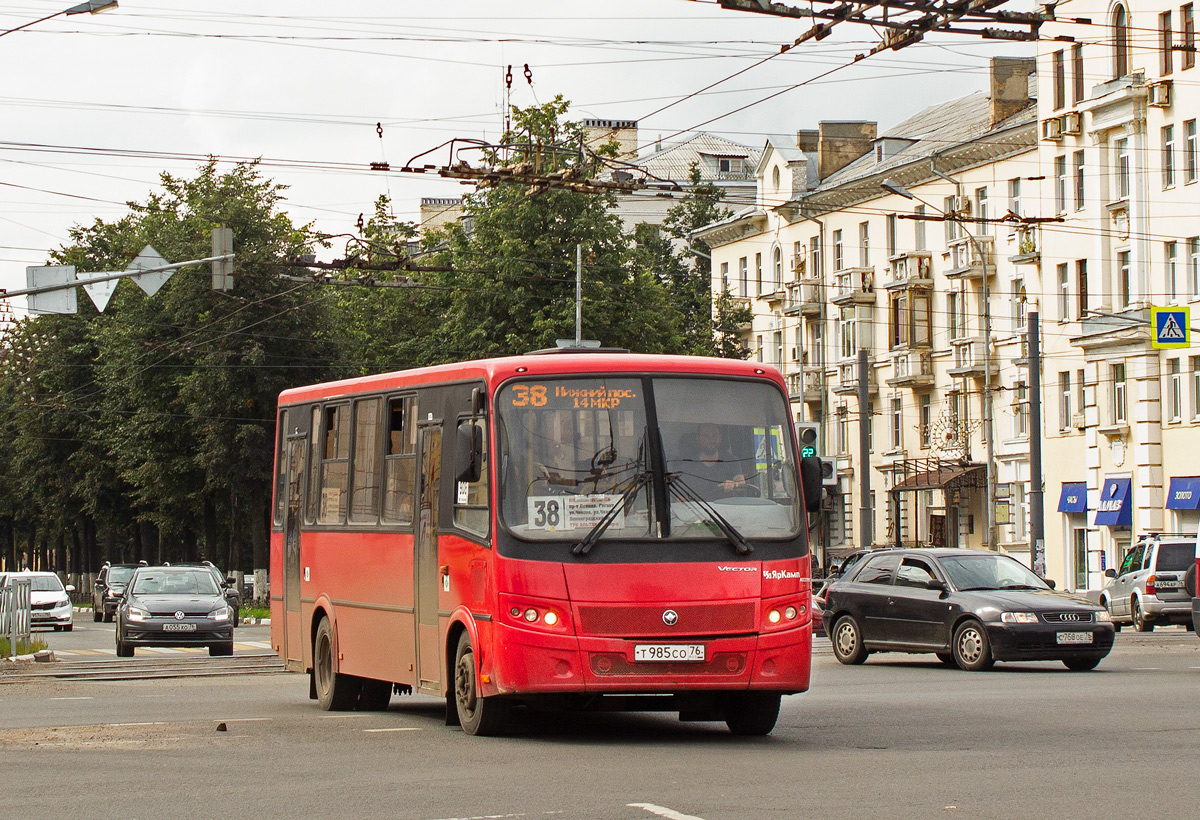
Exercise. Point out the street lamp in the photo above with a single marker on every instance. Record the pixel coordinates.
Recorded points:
(90, 7)
(898, 189)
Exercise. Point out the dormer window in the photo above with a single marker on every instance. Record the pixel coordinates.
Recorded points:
(775, 177)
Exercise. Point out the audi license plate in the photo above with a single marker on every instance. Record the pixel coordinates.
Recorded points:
(1074, 637)
(669, 652)
(179, 627)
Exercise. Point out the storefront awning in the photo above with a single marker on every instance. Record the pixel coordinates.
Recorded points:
(1114, 509)
(954, 477)
(1184, 494)
(1073, 498)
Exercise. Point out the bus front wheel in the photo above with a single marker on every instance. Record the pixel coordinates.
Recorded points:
(335, 692)
(477, 715)
(752, 713)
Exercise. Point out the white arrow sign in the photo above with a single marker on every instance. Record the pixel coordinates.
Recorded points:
(98, 292)
(147, 260)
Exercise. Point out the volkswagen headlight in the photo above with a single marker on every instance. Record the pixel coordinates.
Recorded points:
(221, 614)
(138, 614)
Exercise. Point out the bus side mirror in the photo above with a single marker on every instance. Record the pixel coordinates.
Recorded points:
(468, 455)
(810, 482)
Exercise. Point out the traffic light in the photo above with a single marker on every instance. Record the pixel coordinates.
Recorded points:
(829, 477)
(808, 434)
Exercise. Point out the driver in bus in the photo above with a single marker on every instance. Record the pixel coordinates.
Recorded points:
(715, 475)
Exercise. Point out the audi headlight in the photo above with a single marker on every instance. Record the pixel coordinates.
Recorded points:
(221, 614)
(1103, 617)
(1019, 617)
(138, 614)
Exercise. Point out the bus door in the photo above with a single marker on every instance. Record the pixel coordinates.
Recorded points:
(428, 578)
(293, 632)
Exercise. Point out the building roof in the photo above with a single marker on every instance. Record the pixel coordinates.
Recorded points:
(675, 161)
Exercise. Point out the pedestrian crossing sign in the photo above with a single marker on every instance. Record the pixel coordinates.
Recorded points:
(1172, 327)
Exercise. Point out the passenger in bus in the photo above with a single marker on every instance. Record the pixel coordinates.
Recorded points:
(562, 465)
(712, 472)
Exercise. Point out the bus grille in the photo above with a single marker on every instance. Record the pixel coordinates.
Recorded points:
(721, 663)
(647, 621)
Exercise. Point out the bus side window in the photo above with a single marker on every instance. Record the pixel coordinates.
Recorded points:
(314, 467)
(400, 464)
(364, 500)
(281, 466)
(335, 465)
(471, 499)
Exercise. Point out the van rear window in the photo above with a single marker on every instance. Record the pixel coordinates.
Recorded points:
(1176, 557)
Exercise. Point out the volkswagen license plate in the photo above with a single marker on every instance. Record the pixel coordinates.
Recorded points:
(1074, 637)
(668, 652)
(179, 627)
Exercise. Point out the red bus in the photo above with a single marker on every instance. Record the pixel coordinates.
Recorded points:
(557, 530)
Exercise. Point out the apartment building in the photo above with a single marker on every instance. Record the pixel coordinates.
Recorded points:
(1118, 108)
(935, 288)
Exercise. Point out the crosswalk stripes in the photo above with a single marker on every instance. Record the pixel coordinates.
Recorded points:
(159, 650)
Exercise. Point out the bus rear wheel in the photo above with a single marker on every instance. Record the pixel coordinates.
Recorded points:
(335, 692)
(477, 715)
(752, 713)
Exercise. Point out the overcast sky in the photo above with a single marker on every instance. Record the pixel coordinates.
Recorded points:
(94, 107)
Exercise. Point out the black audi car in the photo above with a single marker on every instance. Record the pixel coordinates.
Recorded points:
(174, 606)
(970, 608)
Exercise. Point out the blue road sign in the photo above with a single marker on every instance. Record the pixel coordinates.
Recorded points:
(1172, 327)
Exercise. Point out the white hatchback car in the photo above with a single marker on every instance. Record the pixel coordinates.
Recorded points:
(50, 600)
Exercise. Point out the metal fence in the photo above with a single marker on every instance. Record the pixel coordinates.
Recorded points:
(16, 612)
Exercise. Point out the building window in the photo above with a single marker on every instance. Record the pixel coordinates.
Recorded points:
(843, 432)
(1122, 163)
(891, 235)
(864, 244)
(897, 428)
(814, 256)
(1193, 265)
(849, 331)
(1171, 269)
(952, 318)
(1189, 151)
(1060, 80)
(724, 277)
(1019, 304)
(919, 228)
(1194, 368)
(1187, 25)
(1168, 156)
(1081, 287)
(1064, 292)
(1120, 42)
(1117, 376)
(777, 268)
(1014, 196)
(1176, 390)
(1060, 184)
(981, 211)
(1124, 282)
(1166, 55)
(925, 403)
(1080, 391)
(1021, 411)
(760, 348)
(758, 278)
(744, 276)
(1076, 73)
(950, 208)
(1064, 400)
(1077, 173)
(838, 250)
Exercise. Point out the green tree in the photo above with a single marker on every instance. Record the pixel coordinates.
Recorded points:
(512, 288)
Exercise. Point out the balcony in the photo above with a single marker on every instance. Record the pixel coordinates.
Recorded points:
(910, 270)
(911, 368)
(847, 382)
(855, 286)
(803, 298)
(805, 387)
(969, 358)
(1028, 248)
(969, 257)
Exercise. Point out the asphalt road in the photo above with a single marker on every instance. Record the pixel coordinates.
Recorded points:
(900, 737)
(89, 640)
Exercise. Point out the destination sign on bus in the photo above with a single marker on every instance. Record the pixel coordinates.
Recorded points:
(571, 512)
(564, 396)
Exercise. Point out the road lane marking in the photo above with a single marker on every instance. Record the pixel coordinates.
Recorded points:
(248, 720)
(148, 723)
(670, 814)
(84, 698)
(395, 729)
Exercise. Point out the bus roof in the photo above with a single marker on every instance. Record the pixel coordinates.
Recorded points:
(494, 371)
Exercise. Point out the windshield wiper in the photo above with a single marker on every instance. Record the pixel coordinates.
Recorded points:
(606, 520)
(681, 490)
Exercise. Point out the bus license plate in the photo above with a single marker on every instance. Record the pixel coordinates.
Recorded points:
(1074, 637)
(179, 627)
(669, 652)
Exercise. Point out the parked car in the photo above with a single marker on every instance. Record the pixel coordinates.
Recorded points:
(109, 587)
(50, 601)
(228, 585)
(1149, 587)
(174, 606)
(970, 608)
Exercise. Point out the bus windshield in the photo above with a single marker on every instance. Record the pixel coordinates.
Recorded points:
(576, 459)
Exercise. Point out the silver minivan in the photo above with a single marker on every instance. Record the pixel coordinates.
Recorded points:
(1148, 589)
